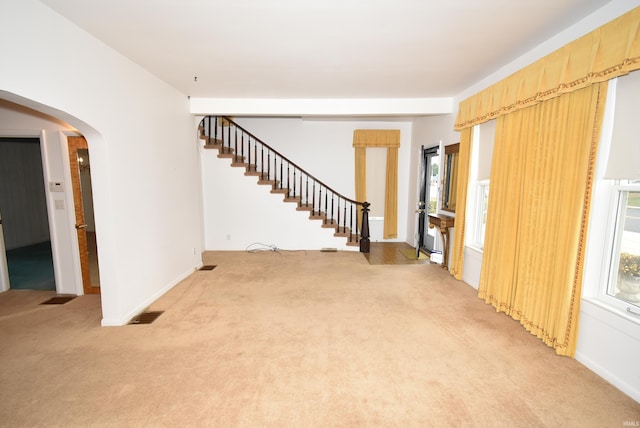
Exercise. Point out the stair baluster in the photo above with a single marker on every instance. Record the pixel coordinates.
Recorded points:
(249, 155)
(307, 192)
(326, 201)
(242, 148)
(351, 222)
(261, 162)
(344, 219)
(293, 195)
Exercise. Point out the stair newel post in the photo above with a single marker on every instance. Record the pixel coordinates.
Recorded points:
(364, 239)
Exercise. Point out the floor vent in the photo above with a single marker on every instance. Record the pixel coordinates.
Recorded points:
(146, 317)
(58, 300)
(208, 267)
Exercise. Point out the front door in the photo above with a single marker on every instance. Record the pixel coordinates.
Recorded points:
(83, 204)
(428, 198)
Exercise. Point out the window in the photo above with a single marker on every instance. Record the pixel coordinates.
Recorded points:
(482, 202)
(624, 273)
(478, 192)
(612, 269)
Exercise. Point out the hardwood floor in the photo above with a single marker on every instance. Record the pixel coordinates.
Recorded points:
(390, 253)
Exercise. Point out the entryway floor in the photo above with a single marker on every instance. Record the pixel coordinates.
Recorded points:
(390, 253)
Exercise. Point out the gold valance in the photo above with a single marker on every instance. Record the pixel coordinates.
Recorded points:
(376, 138)
(605, 53)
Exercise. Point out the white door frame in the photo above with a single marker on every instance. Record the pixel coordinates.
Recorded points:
(4, 267)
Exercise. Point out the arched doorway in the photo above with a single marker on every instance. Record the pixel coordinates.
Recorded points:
(24, 118)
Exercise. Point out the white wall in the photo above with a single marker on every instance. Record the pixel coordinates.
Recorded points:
(324, 148)
(239, 213)
(607, 341)
(146, 190)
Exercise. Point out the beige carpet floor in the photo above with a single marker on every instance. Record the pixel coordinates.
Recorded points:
(294, 339)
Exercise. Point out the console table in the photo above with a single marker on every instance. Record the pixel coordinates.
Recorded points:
(443, 223)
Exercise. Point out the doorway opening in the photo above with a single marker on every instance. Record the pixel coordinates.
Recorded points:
(80, 165)
(428, 203)
(25, 245)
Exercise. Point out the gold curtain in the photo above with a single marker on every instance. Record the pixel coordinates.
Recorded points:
(541, 180)
(390, 138)
(361, 179)
(361, 174)
(390, 229)
(457, 258)
(607, 52)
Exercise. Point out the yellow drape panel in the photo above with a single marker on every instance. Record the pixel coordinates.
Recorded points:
(457, 257)
(541, 181)
(361, 178)
(391, 195)
(607, 52)
(361, 174)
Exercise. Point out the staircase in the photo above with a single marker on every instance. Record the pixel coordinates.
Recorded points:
(285, 178)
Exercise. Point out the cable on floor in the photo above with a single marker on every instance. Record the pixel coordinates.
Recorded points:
(258, 247)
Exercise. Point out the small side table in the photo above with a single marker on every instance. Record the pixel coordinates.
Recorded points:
(443, 223)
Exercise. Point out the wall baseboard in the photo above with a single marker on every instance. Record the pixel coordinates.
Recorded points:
(601, 371)
(117, 322)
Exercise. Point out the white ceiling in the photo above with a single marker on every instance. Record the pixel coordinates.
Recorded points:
(323, 48)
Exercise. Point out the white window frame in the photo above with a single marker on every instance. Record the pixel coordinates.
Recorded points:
(610, 268)
(474, 236)
(481, 207)
(601, 243)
